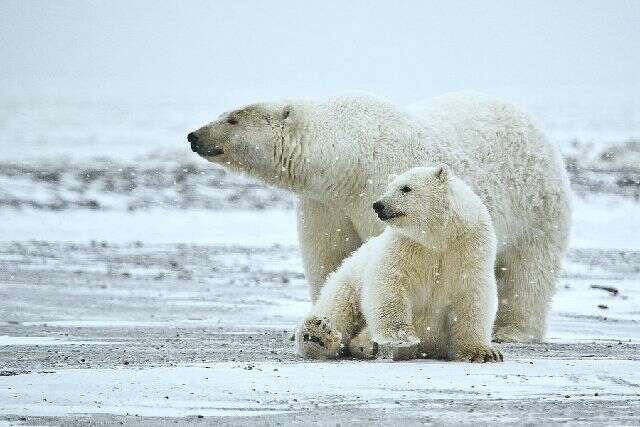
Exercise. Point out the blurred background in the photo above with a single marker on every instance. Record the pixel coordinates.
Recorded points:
(102, 78)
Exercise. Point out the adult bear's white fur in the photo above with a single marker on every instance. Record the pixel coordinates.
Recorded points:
(425, 287)
(337, 155)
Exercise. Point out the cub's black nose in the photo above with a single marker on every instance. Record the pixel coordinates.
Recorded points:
(378, 207)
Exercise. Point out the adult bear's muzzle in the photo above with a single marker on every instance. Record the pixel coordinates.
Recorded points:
(200, 148)
(193, 139)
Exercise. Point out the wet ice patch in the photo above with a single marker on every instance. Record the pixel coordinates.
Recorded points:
(117, 323)
(147, 409)
(6, 340)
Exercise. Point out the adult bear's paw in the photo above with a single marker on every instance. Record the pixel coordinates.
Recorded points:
(316, 339)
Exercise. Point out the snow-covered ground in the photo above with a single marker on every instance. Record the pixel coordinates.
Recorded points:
(143, 285)
(230, 389)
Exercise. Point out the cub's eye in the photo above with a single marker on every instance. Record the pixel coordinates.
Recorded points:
(405, 189)
(232, 121)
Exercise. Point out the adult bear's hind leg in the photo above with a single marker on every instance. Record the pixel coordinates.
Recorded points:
(326, 237)
(527, 275)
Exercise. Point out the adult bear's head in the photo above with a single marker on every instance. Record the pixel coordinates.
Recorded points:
(260, 139)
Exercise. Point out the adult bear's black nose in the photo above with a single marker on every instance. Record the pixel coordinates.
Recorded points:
(193, 139)
(378, 207)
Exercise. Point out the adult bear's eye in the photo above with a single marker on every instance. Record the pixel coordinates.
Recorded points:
(232, 121)
(405, 189)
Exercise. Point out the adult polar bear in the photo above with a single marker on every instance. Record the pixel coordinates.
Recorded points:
(337, 157)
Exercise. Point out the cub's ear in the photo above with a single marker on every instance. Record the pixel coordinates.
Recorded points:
(443, 172)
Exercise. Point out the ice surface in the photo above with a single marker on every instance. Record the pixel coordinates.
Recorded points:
(6, 340)
(605, 222)
(231, 389)
(245, 228)
(598, 222)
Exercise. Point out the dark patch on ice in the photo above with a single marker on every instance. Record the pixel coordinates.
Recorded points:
(118, 185)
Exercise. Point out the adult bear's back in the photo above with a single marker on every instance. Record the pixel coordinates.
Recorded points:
(502, 153)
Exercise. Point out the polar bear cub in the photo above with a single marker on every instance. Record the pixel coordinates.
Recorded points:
(425, 287)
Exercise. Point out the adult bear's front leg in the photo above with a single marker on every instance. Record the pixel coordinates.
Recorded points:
(326, 237)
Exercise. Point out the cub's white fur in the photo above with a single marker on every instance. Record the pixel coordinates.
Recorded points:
(337, 155)
(424, 287)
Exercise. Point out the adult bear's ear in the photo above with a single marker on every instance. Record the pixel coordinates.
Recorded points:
(286, 112)
(443, 172)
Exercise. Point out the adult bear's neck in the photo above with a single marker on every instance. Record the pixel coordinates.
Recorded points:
(332, 166)
(334, 149)
(315, 159)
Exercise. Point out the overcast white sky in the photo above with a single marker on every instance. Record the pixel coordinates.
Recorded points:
(233, 51)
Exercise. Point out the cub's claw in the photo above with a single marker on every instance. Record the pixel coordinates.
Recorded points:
(481, 355)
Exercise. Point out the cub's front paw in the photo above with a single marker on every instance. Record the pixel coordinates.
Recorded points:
(399, 346)
(317, 340)
(480, 355)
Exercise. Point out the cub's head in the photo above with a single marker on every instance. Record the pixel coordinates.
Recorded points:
(251, 139)
(417, 201)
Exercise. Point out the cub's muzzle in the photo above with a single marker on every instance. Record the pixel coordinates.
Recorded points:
(383, 212)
